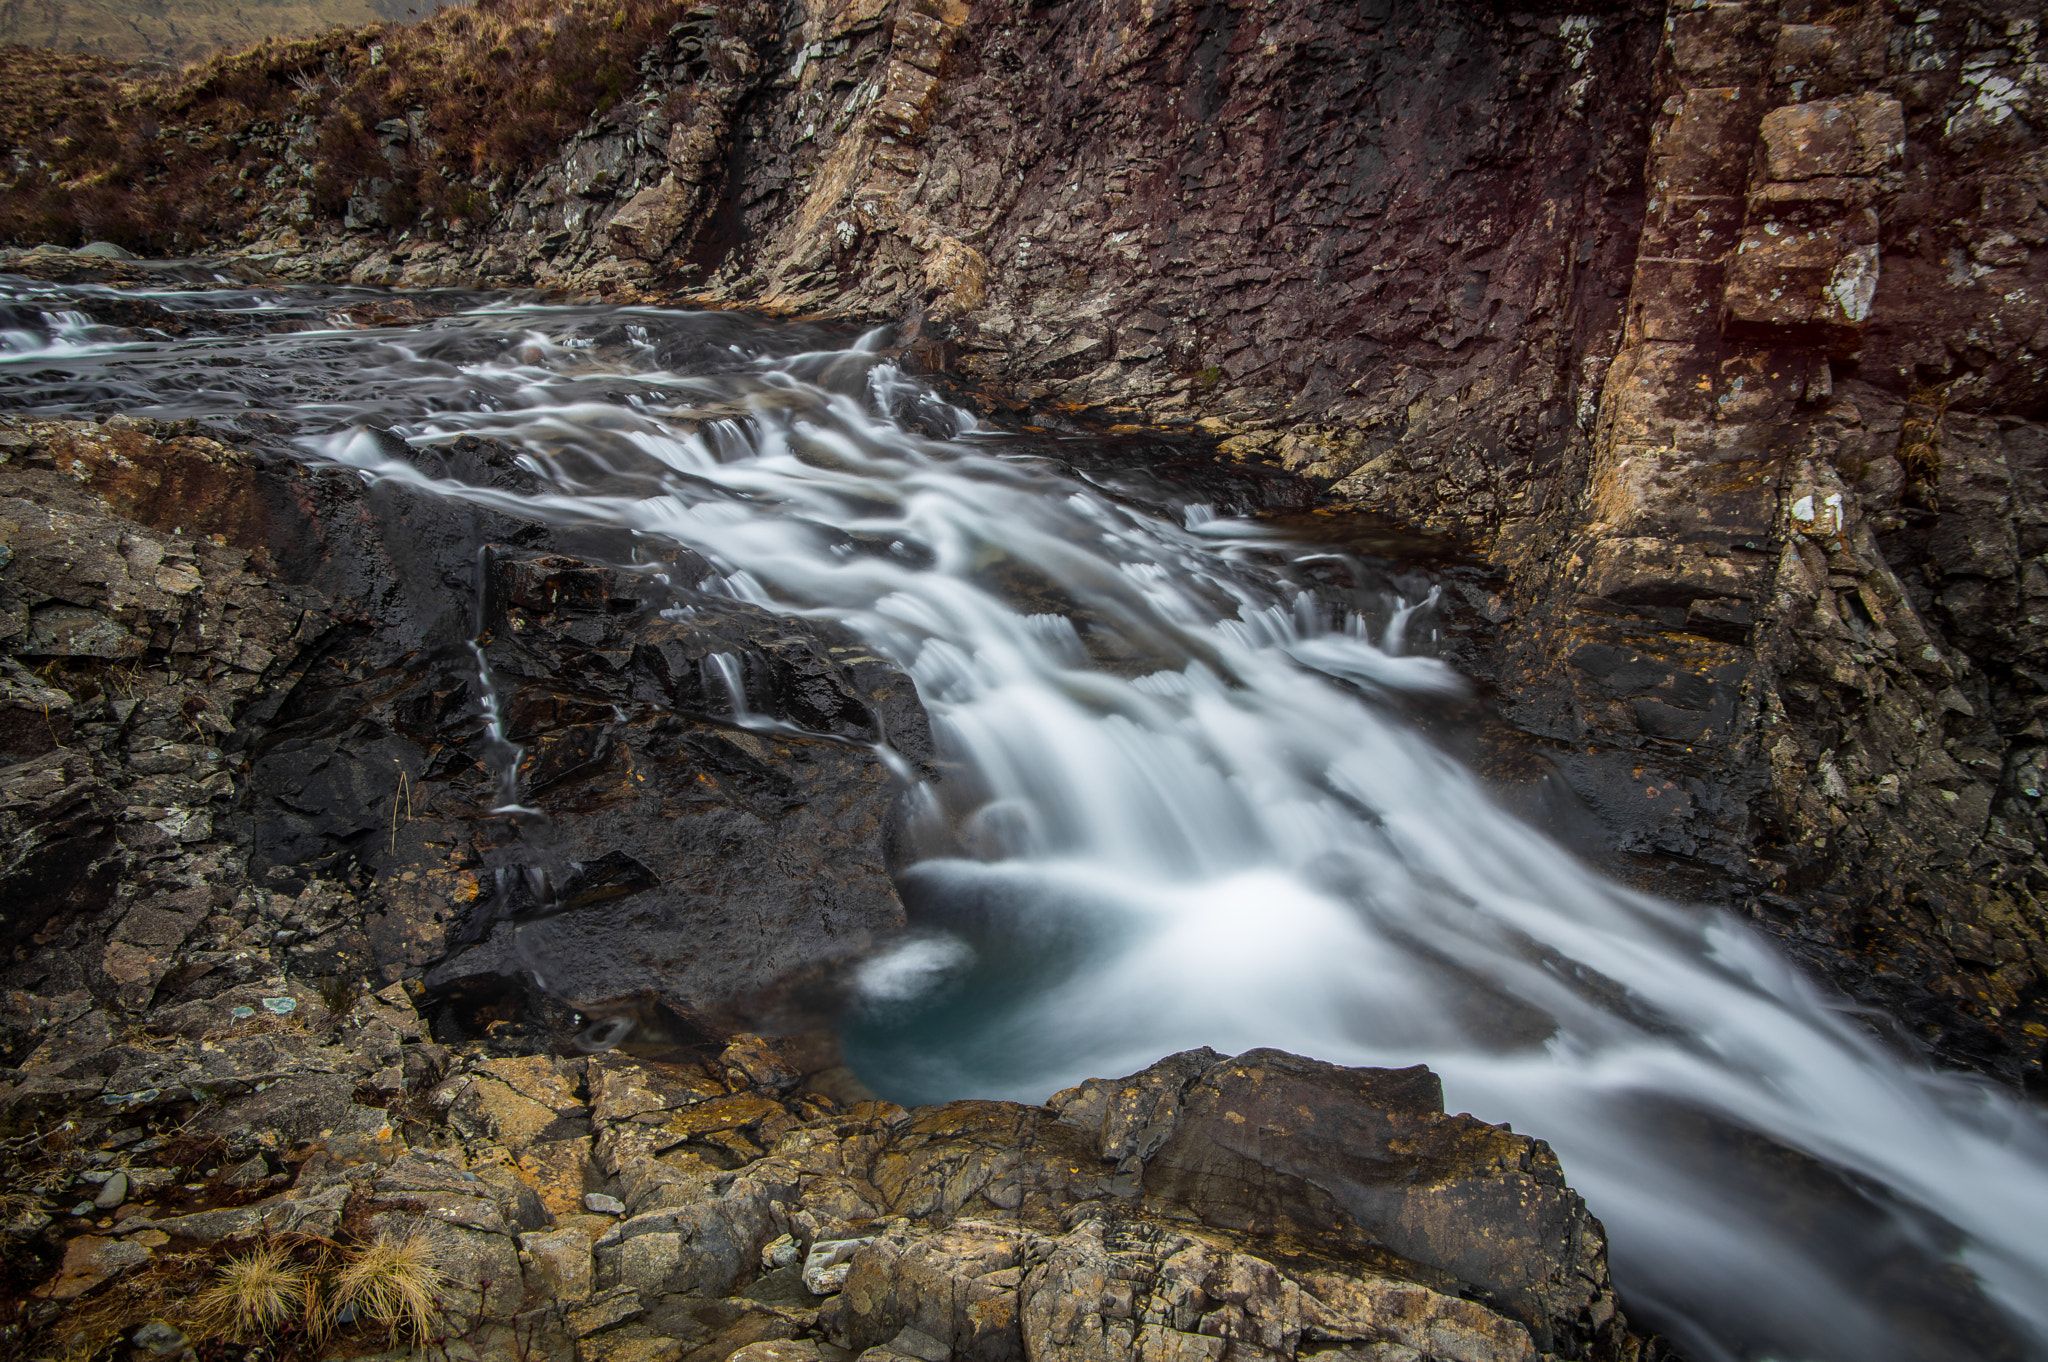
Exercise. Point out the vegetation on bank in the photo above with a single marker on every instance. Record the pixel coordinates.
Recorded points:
(293, 1295)
(415, 124)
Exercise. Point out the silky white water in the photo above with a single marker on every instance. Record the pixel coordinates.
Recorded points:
(1182, 812)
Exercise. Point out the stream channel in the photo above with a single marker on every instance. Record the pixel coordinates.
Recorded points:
(1188, 807)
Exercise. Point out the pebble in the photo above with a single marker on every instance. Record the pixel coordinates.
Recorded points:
(829, 1262)
(161, 1339)
(114, 1193)
(245, 1174)
(602, 1204)
(783, 1252)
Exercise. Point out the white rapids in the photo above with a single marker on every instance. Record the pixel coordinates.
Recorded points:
(1183, 813)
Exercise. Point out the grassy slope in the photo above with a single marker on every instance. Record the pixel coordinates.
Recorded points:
(169, 164)
(181, 31)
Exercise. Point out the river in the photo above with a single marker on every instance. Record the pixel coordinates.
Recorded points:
(1189, 809)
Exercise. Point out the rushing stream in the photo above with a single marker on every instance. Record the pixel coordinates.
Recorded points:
(1191, 810)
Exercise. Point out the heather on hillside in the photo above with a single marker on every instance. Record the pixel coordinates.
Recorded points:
(414, 124)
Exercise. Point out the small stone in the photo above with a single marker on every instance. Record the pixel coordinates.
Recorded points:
(602, 1204)
(828, 1263)
(90, 1260)
(28, 1222)
(783, 1251)
(113, 1194)
(160, 1339)
(245, 1174)
(83, 1208)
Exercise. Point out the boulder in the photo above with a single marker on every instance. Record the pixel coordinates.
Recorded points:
(1358, 1160)
(957, 1285)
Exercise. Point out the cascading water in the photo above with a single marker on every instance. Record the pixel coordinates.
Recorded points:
(1188, 813)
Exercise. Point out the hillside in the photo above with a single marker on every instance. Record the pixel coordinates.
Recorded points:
(177, 32)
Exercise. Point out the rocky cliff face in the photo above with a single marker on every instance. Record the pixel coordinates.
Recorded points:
(1713, 326)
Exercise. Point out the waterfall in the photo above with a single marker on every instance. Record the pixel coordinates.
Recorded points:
(1188, 808)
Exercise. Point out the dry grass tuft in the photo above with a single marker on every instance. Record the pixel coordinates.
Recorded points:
(394, 1283)
(256, 1294)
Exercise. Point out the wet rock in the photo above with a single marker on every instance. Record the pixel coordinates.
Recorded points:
(113, 1192)
(1259, 1142)
(89, 1260)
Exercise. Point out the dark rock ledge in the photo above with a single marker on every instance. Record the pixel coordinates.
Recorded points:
(270, 977)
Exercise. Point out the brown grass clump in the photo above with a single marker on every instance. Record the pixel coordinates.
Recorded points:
(256, 1295)
(286, 1294)
(1920, 443)
(41, 89)
(393, 1283)
(490, 90)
